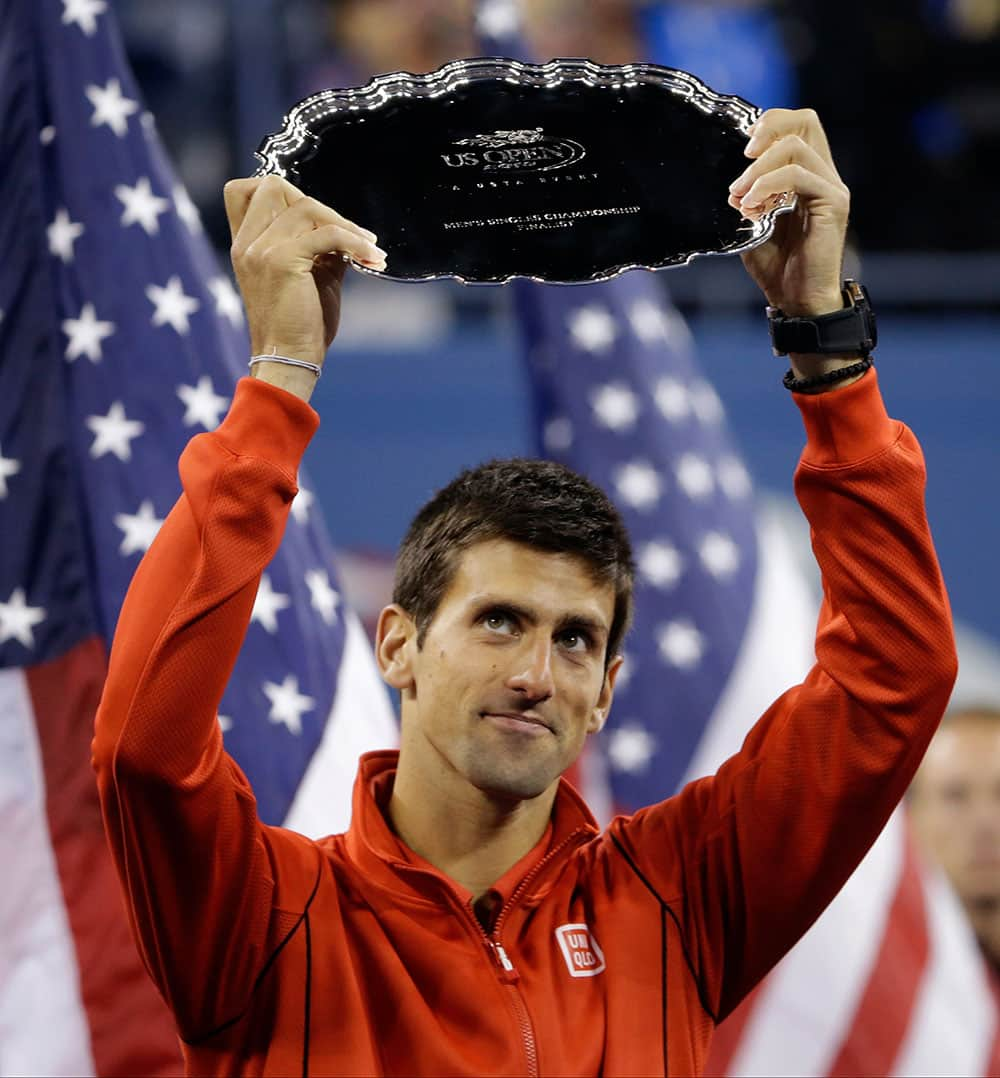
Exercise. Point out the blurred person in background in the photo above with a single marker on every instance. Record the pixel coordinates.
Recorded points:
(955, 806)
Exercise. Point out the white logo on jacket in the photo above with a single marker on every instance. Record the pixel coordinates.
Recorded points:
(584, 957)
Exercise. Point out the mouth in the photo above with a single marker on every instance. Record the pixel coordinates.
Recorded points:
(521, 722)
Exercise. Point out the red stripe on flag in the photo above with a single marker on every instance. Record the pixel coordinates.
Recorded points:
(131, 1029)
(993, 1066)
(729, 1035)
(883, 1015)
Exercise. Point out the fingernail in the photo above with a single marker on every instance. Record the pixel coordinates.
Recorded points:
(752, 147)
(371, 235)
(380, 255)
(739, 182)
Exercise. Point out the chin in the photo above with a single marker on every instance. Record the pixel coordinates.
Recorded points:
(511, 783)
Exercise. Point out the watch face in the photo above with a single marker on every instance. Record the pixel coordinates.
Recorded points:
(491, 169)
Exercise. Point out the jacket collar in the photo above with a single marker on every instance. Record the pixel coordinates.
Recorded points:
(374, 848)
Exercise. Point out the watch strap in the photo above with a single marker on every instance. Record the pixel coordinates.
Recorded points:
(848, 332)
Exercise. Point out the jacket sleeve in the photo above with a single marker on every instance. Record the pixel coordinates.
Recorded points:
(180, 816)
(748, 858)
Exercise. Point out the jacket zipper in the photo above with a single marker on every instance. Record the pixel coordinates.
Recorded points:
(508, 972)
(509, 978)
(509, 975)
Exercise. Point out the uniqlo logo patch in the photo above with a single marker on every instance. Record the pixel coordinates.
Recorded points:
(584, 957)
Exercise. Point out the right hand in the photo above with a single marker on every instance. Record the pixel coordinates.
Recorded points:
(288, 256)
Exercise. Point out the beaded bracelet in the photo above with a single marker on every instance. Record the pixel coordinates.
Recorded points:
(287, 362)
(796, 385)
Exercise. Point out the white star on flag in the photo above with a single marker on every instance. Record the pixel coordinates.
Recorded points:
(172, 305)
(558, 435)
(653, 323)
(660, 564)
(630, 747)
(113, 433)
(734, 478)
(62, 234)
(225, 723)
(672, 399)
(719, 555)
(638, 484)
(323, 597)
(681, 644)
(202, 404)
(187, 211)
(227, 300)
(287, 703)
(615, 406)
(301, 504)
(142, 207)
(694, 476)
(706, 404)
(8, 467)
(17, 619)
(84, 13)
(593, 329)
(111, 107)
(85, 334)
(267, 604)
(47, 135)
(498, 18)
(140, 528)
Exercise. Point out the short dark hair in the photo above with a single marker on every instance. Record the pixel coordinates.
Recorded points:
(539, 503)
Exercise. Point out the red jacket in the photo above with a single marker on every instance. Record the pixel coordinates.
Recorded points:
(613, 953)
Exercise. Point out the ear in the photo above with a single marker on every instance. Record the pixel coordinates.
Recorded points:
(395, 641)
(599, 713)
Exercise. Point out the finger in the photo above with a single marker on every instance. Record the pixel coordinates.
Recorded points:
(315, 243)
(271, 197)
(237, 195)
(790, 150)
(800, 181)
(309, 213)
(779, 123)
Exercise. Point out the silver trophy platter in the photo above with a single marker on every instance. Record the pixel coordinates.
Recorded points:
(487, 170)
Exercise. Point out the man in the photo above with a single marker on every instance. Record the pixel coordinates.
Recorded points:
(473, 920)
(955, 808)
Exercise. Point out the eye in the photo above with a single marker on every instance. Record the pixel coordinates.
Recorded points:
(499, 621)
(955, 793)
(574, 640)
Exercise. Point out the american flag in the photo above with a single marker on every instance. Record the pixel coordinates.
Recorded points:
(889, 980)
(120, 338)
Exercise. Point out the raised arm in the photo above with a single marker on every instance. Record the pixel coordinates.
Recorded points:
(290, 280)
(195, 864)
(747, 859)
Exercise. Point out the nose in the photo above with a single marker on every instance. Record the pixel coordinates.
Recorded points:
(533, 677)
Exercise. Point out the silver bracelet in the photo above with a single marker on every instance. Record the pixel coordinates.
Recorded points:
(317, 370)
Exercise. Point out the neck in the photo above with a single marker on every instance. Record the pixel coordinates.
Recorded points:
(463, 832)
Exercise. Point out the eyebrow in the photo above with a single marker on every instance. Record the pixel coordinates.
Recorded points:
(596, 628)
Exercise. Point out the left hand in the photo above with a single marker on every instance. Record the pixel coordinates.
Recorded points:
(799, 268)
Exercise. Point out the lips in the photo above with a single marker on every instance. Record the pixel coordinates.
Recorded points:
(528, 718)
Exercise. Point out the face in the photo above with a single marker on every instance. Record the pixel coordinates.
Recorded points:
(511, 678)
(956, 811)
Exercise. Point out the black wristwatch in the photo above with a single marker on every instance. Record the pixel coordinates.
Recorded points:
(850, 332)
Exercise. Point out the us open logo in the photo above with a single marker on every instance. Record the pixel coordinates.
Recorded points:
(527, 150)
(584, 957)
